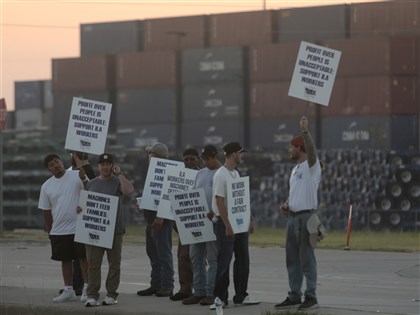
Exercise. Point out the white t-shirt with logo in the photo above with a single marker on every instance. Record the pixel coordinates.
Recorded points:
(61, 196)
(220, 185)
(304, 182)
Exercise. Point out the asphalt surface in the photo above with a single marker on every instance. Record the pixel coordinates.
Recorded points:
(349, 282)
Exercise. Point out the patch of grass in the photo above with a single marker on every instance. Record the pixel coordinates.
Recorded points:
(269, 237)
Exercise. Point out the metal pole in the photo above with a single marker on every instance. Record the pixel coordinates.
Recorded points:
(264, 5)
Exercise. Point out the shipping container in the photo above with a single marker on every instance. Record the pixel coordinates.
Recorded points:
(146, 69)
(383, 132)
(62, 107)
(313, 24)
(213, 64)
(270, 100)
(381, 95)
(175, 33)
(144, 135)
(272, 62)
(213, 102)
(242, 28)
(199, 134)
(48, 95)
(92, 73)
(275, 134)
(400, 17)
(10, 120)
(29, 118)
(377, 56)
(29, 95)
(111, 38)
(146, 106)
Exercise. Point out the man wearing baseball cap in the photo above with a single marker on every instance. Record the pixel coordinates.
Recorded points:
(111, 181)
(205, 252)
(299, 207)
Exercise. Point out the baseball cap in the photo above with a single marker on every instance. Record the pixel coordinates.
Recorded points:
(297, 141)
(106, 157)
(233, 147)
(158, 148)
(208, 151)
(190, 151)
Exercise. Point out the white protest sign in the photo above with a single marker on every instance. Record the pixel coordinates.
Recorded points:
(96, 222)
(190, 211)
(88, 126)
(154, 182)
(238, 204)
(314, 74)
(177, 178)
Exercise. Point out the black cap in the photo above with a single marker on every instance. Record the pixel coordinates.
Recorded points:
(106, 157)
(49, 158)
(209, 151)
(190, 151)
(233, 147)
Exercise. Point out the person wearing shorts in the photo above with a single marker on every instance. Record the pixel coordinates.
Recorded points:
(59, 198)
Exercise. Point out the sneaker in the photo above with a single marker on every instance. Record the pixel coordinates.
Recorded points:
(193, 299)
(109, 301)
(179, 296)
(91, 302)
(208, 300)
(308, 304)
(213, 306)
(147, 292)
(65, 296)
(288, 303)
(77, 291)
(250, 301)
(164, 293)
(83, 297)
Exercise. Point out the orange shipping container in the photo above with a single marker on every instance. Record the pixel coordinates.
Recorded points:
(89, 73)
(175, 33)
(272, 62)
(381, 95)
(146, 69)
(377, 56)
(244, 28)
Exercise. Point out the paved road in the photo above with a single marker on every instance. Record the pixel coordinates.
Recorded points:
(349, 282)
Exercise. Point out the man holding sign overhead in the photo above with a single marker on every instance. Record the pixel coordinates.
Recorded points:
(110, 182)
(299, 207)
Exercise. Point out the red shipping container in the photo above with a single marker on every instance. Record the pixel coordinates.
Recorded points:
(400, 17)
(146, 69)
(89, 73)
(272, 62)
(376, 56)
(382, 95)
(243, 28)
(175, 33)
(270, 100)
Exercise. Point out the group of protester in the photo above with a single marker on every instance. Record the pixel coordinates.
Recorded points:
(203, 268)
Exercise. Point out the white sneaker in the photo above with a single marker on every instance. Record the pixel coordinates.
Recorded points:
(109, 301)
(84, 297)
(91, 302)
(67, 295)
(213, 306)
(250, 301)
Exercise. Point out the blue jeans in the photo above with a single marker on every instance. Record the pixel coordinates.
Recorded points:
(300, 258)
(204, 281)
(241, 266)
(159, 250)
(224, 256)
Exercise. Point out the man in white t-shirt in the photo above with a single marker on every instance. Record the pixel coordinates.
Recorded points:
(59, 198)
(300, 206)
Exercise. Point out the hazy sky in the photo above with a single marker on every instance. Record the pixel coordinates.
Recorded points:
(33, 32)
